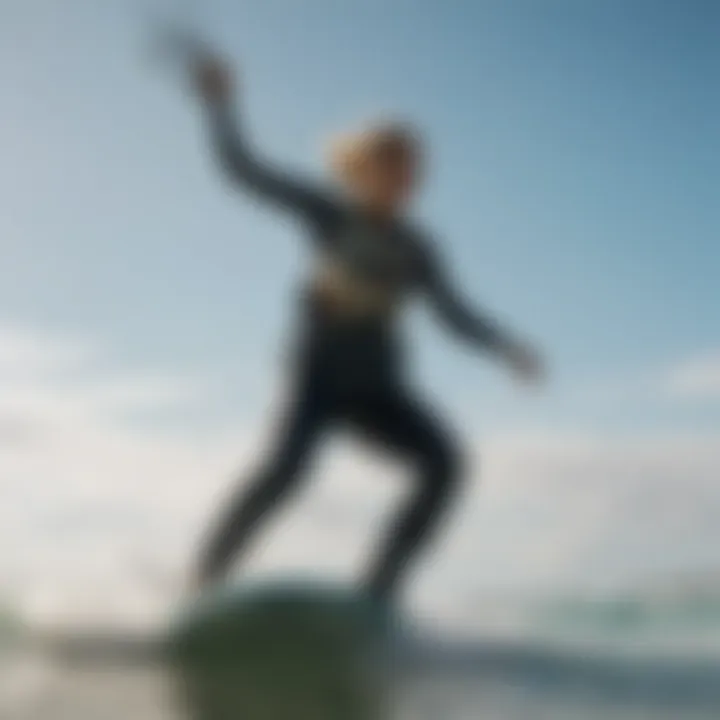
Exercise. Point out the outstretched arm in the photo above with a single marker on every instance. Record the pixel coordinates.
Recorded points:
(473, 326)
(456, 314)
(213, 84)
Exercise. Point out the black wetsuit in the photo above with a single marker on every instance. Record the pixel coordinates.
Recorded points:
(349, 369)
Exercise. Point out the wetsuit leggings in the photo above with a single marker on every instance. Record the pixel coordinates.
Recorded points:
(385, 412)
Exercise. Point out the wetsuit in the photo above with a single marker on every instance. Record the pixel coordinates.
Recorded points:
(349, 361)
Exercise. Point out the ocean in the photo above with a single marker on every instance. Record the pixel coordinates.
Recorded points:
(622, 659)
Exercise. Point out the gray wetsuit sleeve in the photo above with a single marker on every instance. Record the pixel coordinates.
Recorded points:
(453, 310)
(261, 178)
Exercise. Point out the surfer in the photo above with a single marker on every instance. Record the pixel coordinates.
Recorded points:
(370, 260)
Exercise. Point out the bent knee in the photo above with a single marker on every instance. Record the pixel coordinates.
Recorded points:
(444, 460)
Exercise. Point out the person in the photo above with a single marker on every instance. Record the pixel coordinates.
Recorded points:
(349, 366)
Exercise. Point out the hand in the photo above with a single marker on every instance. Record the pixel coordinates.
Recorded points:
(212, 79)
(525, 363)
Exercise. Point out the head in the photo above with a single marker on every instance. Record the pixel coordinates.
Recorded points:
(379, 166)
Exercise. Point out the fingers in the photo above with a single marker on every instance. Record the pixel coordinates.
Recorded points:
(527, 365)
(535, 371)
(212, 79)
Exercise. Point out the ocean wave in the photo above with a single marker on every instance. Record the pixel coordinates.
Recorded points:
(636, 612)
(567, 669)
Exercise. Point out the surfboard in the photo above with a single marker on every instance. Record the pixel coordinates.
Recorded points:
(290, 648)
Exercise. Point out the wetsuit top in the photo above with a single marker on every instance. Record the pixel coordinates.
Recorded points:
(364, 270)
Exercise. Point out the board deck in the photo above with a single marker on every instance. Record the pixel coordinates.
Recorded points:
(292, 605)
(289, 644)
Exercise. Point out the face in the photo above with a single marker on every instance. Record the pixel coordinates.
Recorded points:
(387, 179)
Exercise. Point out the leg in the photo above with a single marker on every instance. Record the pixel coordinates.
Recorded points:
(401, 424)
(299, 432)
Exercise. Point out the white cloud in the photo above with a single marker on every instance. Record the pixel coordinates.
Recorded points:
(696, 378)
(26, 353)
(601, 508)
(86, 497)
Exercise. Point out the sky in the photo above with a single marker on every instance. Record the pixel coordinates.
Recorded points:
(145, 306)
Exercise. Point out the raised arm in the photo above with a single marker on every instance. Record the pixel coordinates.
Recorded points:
(213, 83)
(473, 326)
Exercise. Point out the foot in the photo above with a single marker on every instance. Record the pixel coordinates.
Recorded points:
(380, 591)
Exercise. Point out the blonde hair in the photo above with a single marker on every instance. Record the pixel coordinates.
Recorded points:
(347, 153)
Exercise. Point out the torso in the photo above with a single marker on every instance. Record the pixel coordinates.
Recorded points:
(366, 270)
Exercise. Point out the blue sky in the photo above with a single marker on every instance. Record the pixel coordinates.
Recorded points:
(575, 166)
